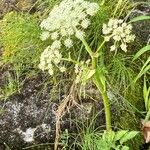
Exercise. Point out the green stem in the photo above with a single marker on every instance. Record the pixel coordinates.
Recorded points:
(87, 47)
(97, 81)
(100, 47)
(100, 86)
(107, 111)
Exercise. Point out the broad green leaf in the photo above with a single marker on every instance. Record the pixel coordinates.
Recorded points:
(139, 18)
(128, 136)
(120, 134)
(141, 51)
(125, 148)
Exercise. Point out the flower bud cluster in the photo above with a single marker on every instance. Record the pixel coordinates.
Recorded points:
(67, 18)
(49, 57)
(118, 31)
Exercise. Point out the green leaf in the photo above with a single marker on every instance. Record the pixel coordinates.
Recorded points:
(87, 74)
(141, 51)
(128, 136)
(125, 148)
(144, 70)
(120, 134)
(139, 18)
(108, 136)
(101, 76)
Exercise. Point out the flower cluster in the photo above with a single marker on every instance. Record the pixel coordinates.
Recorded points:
(49, 57)
(69, 18)
(120, 32)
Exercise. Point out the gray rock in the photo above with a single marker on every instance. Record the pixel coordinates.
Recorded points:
(141, 28)
(29, 118)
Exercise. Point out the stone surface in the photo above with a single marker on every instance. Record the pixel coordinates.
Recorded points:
(141, 28)
(29, 117)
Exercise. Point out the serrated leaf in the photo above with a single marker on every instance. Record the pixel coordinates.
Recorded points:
(128, 136)
(120, 134)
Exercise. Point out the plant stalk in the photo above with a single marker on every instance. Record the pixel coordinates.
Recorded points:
(99, 84)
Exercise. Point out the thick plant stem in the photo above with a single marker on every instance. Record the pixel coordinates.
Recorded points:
(99, 81)
(107, 111)
(106, 103)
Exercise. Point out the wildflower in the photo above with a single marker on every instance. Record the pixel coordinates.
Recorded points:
(80, 34)
(49, 58)
(85, 23)
(54, 35)
(62, 69)
(67, 18)
(68, 43)
(45, 35)
(113, 48)
(120, 32)
(123, 47)
(56, 45)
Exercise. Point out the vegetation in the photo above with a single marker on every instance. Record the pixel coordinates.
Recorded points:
(101, 50)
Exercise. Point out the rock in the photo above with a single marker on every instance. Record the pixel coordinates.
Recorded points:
(141, 28)
(29, 117)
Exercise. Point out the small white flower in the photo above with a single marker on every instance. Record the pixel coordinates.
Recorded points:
(113, 48)
(63, 32)
(50, 71)
(85, 23)
(62, 69)
(92, 9)
(70, 31)
(80, 34)
(68, 43)
(54, 35)
(107, 38)
(117, 38)
(45, 35)
(56, 45)
(123, 47)
(106, 30)
(120, 32)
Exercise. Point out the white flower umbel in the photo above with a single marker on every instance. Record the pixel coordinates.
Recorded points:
(120, 32)
(68, 43)
(67, 18)
(49, 58)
